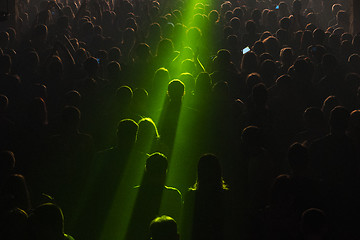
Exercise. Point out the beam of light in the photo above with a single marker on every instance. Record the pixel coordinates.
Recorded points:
(182, 155)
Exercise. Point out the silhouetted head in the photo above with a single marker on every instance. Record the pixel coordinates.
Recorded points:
(329, 104)
(252, 137)
(140, 97)
(161, 80)
(5, 64)
(272, 46)
(297, 6)
(282, 192)
(4, 39)
(188, 66)
(249, 62)
(176, 90)
(250, 27)
(259, 47)
(354, 123)
(165, 49)
(72, 98)
(126, 133)
(313, 118)
(189, 81)
(209, 173)
(4, 103)
(342, 18)
(298, 158)
(37, 112)
(47, 222)
(220, 91)
(318, 36)
(142, 51)
(147, 132)
(71, 118)
(203, 84)
(91, 66)
(14, 224)
(259, 94)
(285, 23)
(213, 16)
(251, 80)
(314, 223)
(113, 70)
(339, 118)
(156, 168)
(114, 54)
(123, 96)
(7, 163)
(163, 228)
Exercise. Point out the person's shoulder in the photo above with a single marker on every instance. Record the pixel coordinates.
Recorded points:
(172, 189)
(68, 237)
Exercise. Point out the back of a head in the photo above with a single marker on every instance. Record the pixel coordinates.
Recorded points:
(313, 118)
(113, 70)
(209, 172)
(281, 191)
(339, 118)
(313, 222)
(4, 103)
(37, 111)
(123, 96)
(156, 165)
(297, 157)
(114, 54)
(72, 98)
(71, 117)
(147, 130)
(176, 90)
(127, 132)
(91, 66)
(163, 228)
(259, 94)
(5, 63)
(47, 222)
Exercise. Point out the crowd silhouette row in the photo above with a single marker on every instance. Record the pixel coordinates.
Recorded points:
(170, 119)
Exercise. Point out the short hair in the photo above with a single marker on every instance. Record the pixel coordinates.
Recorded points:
(162, 228)
(339, 117)
(313, 220)
(127, 127)
(48, 217)
(156, 163)
(176, 89)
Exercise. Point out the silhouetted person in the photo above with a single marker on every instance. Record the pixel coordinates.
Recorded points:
(153, 197)
(47, 223)
(14, 224)
(334, 159)
(67, 162)
(206, 207)
(315, 126)
(170, 114)
(7, 126)
(314, 224)
(13, 188)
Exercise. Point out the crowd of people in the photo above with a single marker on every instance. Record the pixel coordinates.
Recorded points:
(233, 119)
